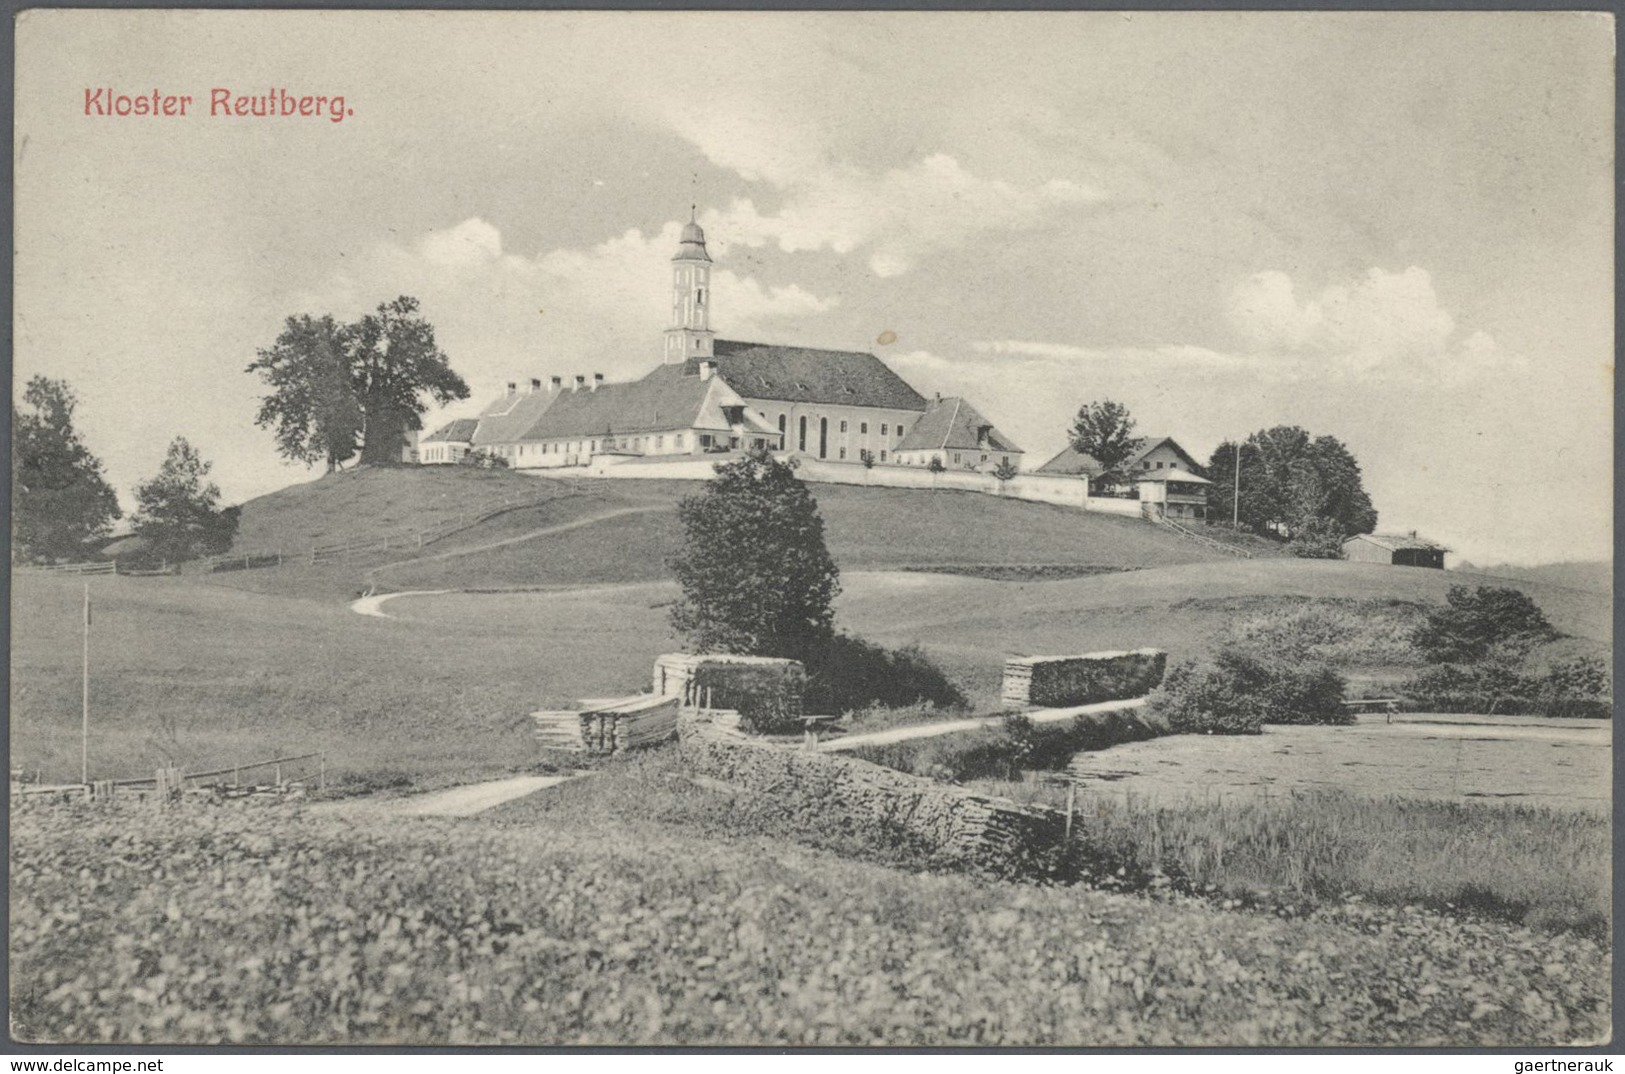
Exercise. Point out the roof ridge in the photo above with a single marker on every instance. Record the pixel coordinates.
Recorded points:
(959, 401)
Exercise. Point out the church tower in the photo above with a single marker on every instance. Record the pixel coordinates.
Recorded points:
(690, 334)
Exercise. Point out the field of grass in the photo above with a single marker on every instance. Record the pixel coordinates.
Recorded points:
(1557, 763)
(209, 676)
(636, 907)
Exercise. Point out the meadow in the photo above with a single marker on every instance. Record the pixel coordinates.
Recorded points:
(637, 907)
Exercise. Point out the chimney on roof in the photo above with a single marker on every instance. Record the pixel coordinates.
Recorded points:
(535, 384)
(581, 381)
(939, 397)
(513, 387)
(706, 369)
(1413, 533)
(597, 379)
(556, 384)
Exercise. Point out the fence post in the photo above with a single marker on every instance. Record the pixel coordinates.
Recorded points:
(420, 540)
(1071, 799)
(313, 555)
(321, 772)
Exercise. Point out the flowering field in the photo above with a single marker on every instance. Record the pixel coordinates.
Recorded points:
(203, 925)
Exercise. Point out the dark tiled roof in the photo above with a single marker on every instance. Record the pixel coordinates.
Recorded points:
(808, 375)
(662, 401)
(459, 431)
(1073, 461)
(668, 399)
(506, 419)
(954, 424)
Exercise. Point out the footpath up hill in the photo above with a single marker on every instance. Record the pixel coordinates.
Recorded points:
(623, 530)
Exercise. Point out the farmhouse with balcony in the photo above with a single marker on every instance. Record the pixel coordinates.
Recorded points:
(1153, 453)
(716, 395)
(1395, 549)
(955, 434)
(1172, 493)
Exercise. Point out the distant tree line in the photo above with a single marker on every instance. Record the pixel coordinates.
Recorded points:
(62, 505)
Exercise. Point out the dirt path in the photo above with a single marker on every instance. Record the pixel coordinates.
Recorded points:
(464, 801)
(373, 605)
(949, 727)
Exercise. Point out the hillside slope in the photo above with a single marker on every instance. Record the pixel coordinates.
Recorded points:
(865, 528)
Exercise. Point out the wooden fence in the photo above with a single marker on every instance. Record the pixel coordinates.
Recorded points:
(173, 781)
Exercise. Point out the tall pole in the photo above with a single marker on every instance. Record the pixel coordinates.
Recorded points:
(84, 715)
(1235, 510)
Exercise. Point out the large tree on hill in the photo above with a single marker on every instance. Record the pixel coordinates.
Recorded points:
(334, 385)
(1293, 486)
(59, 499)
(395, 367)
(1104, 430)
(756, 575)
(312, 407)
(178, 514)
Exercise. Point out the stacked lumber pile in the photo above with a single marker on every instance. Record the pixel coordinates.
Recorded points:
(628, 724)
(765, 691)
(1062, 681)
(560, 731)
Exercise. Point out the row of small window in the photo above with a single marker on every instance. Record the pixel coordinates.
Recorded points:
(882, 454)
(863, 426)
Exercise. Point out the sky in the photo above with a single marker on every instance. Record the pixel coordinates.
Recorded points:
(1392, 228)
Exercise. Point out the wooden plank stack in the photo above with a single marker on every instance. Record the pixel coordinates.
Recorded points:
(560, 731)
(612, 726)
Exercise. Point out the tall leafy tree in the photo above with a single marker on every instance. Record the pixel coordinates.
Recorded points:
(59, 497)
(755, 572)
(395, 369)
(312, 407)
(1104, 430)
(334, 386)
(1293, 485)
(178, 512)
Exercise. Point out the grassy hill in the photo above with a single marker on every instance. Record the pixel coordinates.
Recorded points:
(865, 528)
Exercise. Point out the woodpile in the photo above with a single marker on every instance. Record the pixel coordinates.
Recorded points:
(562, 730)
(607, 727)
(1084, 679)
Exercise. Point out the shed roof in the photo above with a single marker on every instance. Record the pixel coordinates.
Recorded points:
(811, 375)
(1399, 542)
(953, 424)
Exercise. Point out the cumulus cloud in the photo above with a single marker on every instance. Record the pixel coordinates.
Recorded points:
(1383, 322)
(897, 215)
(501, 315)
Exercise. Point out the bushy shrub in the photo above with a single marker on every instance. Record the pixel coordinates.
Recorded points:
(1237, 692)
(1203, 699)
(846, 673)
(1006, 471)
(1474, 620)
(1345, 633)
(1579, 686)
(1498, 685)
(1318, 538)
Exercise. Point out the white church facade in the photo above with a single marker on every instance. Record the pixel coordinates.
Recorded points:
(707, 395)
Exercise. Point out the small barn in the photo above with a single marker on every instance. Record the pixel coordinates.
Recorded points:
(1395, 550)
